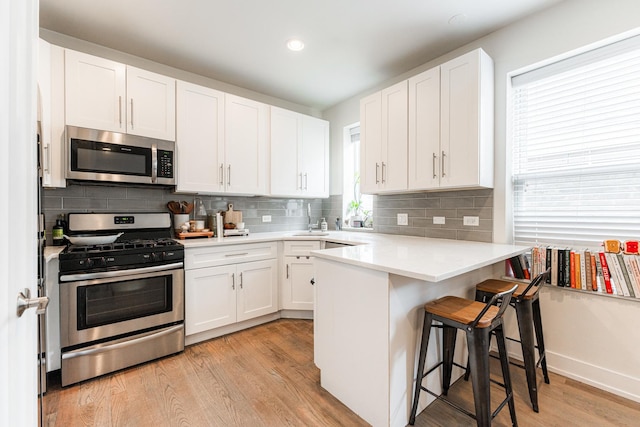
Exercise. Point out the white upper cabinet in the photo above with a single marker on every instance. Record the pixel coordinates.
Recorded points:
(51, 113)
(106, 95)
(151, 104)
(246, 144)
(383, 140)
(199, 139)
(299, 154)
(451, 125)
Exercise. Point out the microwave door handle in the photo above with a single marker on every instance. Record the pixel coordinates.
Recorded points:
(154, 163)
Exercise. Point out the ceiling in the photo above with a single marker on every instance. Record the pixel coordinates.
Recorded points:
(350, 45)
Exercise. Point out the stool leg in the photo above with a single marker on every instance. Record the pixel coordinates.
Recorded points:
(537, 323)
(504, 363)
(524, 314)
(426, 331)
(448, 349)
(478, 343)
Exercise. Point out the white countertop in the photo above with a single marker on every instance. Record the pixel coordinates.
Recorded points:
(421, 258)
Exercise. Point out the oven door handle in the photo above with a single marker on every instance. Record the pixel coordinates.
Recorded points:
(119, 273)
(101, 348)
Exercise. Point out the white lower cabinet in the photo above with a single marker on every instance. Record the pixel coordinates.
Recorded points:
(298, 270)
(229, 284)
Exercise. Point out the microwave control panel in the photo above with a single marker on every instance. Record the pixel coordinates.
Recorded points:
(165, 164)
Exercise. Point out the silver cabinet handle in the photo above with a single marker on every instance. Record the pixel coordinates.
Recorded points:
(229, 176)
(233, 281)
(434, 165)
(287, 271)
(377, 167)
(221, 174)
(240, 280)
(47, 159)
(131, 113)
(443, 174)
(306, 181)
(383, 167)
(236, 254)
(300, 187)
(25, 301)
(120, 110)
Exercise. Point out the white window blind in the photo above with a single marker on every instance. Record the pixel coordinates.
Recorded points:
(576, 139)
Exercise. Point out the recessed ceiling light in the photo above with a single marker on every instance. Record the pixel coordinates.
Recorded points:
(458, 19)
(295, 45)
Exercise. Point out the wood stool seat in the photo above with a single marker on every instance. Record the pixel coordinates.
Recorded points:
(461, 310)
(479, 321)
(527, 305)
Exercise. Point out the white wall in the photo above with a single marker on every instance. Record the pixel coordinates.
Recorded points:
(590, 338)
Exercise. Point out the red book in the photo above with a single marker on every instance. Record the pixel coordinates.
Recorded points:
(605, 272)
(572, 269)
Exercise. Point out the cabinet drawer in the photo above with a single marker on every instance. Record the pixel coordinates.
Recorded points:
(300, 247)
(232, 254)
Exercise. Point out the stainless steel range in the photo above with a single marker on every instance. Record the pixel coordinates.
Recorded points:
(121, 303)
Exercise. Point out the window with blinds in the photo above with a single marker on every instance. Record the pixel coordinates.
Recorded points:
(576, 141)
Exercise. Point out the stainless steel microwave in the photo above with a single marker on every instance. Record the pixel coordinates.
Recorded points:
(96, 155)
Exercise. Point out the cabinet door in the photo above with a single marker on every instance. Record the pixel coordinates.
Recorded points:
(199, 139)
(151, 104)
(466, 124)
(297, 292)
(370, 142)
(286, 135)
(245, 145)
(210, 298)
(257, 285)
(315, 157)
(393, 164)
(95, 92)
(424, 130)
(51, 113)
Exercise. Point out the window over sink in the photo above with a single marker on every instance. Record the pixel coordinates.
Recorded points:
(357, 208)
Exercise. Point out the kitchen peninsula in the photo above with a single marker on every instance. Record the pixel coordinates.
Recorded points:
(368, 315)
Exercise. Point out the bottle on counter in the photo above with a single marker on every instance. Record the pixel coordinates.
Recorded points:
(58, 232)
(338, 224)
(323, 225)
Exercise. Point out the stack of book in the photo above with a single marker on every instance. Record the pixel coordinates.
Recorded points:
(613, 269)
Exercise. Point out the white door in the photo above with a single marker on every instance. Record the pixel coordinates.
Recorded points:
(370, 142)
(151, 104)
(424, 130)
(18, 269)
(315, 157)
(246, 145)
(298, 288)
(210, 298)
(393, 165)
(286, 133)
(257, 286)
(95, 92)
(199, 139)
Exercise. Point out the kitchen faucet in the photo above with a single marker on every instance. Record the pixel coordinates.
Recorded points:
(311, 226)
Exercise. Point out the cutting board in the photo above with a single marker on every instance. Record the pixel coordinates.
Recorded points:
(231, 216)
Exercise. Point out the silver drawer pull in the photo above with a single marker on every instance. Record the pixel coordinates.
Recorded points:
(242, 254)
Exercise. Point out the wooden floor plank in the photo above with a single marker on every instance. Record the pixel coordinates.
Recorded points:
(265, 376)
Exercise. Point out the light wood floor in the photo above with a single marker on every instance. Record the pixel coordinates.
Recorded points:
(265, 376)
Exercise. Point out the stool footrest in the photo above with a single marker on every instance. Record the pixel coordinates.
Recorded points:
(465, 411)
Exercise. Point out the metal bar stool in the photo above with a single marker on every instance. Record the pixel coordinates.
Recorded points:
(478, 320)
(527, 305)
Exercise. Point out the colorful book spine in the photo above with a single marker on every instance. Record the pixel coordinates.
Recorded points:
(583, 271)
(634, 261)
(616, 274)
(599, 275)
(567, 267)
(594, 274)
(579, 263)
(572, 269)
(634, 288)
(605, 272)
(554, 266)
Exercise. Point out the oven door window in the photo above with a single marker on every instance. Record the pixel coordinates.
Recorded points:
(119, 301)
(100, 157)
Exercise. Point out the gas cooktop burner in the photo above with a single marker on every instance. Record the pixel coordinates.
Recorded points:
(123, 246)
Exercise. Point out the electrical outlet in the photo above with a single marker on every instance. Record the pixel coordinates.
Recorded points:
(403, 219)
(266, 218)
(438, 220)
(471, 220)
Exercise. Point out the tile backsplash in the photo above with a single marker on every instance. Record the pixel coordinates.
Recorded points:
(286, 214)
(291, 214)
